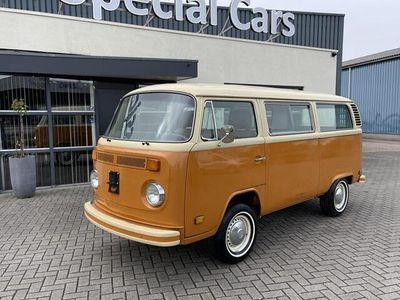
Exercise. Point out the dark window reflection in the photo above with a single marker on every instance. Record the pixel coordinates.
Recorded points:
(71, 95)
(73, 131)
(73, 166)
(36, 135)
(31, 89)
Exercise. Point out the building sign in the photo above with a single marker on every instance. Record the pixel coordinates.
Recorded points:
(274, 22)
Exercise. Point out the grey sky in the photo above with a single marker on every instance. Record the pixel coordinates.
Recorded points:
(370, 25)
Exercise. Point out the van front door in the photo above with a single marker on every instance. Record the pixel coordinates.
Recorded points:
(292, 154)
(218, 170)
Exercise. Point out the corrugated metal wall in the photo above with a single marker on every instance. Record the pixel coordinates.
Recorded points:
(376, 90)
(312, 29)
(345, 83)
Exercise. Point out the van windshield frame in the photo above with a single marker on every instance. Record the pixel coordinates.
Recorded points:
(177, 105)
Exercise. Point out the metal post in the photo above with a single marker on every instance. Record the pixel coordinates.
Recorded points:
(3, 181)
(50, 133)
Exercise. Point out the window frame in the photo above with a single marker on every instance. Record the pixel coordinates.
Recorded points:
(204, 139)
(291, 102)
(334, 103)
(116, 111)
(237, 100)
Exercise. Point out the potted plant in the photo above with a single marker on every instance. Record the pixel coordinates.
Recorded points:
(22, 166)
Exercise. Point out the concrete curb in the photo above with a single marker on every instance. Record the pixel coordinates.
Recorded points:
(381, 137)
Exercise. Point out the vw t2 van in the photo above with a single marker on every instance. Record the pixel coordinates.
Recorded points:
(184, 162)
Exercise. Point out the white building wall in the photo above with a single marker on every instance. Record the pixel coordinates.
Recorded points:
(221, 60)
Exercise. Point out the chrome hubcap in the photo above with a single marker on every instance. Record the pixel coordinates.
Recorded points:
(340, 199)
(240, 234)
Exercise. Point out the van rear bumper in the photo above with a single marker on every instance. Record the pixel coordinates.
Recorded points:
(362, 179)
(132, 231)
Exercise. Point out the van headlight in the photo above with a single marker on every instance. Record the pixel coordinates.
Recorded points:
(155, 194)
(94, 179)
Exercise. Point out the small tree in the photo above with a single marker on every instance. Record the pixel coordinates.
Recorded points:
(19, 106)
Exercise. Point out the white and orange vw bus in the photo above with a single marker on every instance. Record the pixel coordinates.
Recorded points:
(184, 162)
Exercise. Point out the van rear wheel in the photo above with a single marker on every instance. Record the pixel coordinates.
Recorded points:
(236, 235)
(334, 203)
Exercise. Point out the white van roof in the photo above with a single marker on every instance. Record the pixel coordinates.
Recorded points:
(238, 91)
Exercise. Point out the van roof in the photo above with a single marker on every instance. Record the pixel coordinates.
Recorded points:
(238, 91)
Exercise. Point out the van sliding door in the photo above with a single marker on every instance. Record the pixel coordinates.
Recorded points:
(292, 154)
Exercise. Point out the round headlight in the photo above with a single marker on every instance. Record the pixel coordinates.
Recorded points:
(94, 179)
(155, 194)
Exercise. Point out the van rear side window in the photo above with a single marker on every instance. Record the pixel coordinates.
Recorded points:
(288, 118)
(334, 117)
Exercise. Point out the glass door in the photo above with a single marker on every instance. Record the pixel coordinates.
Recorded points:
(73, 129)
(33, 91)
(59, 127)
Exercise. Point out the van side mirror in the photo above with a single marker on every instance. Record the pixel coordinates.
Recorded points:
(229, 136)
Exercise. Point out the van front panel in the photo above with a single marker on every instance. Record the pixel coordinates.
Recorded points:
(130, 201)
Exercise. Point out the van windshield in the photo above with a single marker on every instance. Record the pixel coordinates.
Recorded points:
(154, 117)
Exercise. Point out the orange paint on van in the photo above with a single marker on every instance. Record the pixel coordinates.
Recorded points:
(130, 204)
(218, 174)
(203, 177)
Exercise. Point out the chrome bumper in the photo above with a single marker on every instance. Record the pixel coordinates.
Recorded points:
(362, 179)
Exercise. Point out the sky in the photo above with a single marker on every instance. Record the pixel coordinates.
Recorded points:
(371, 26)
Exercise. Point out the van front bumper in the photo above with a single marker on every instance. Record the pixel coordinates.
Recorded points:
(132, 231)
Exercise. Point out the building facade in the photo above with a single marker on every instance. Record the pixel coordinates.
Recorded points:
(72, 70)
(373, 82)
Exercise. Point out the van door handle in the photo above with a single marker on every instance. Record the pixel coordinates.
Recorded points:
(260, 158)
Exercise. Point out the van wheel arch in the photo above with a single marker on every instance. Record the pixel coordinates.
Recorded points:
(347, 176)
(349, 179)
(250, 198)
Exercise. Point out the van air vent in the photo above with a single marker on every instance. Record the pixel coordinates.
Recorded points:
(357, 115)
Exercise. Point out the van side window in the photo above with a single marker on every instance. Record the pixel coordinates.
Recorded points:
(288, 118)
(239, 114)
(208, 131)
(334, 117)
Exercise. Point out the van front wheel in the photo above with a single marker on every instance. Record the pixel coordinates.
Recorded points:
(236, 235)
(334, 202)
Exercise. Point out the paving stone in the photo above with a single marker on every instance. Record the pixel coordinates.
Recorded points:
(48, 250)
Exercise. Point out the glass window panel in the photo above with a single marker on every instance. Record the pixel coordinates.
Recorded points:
(301, 116)
(43, 177)
(73, 166)
(154, 117)
(73, 130)
(240, 115)
(31, 89)
(71, 95)
(36, 134)
(208, 125)
(288, 118)
(334, 117)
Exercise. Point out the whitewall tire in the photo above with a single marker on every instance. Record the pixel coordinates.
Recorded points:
(236, 234)
(334, 203)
